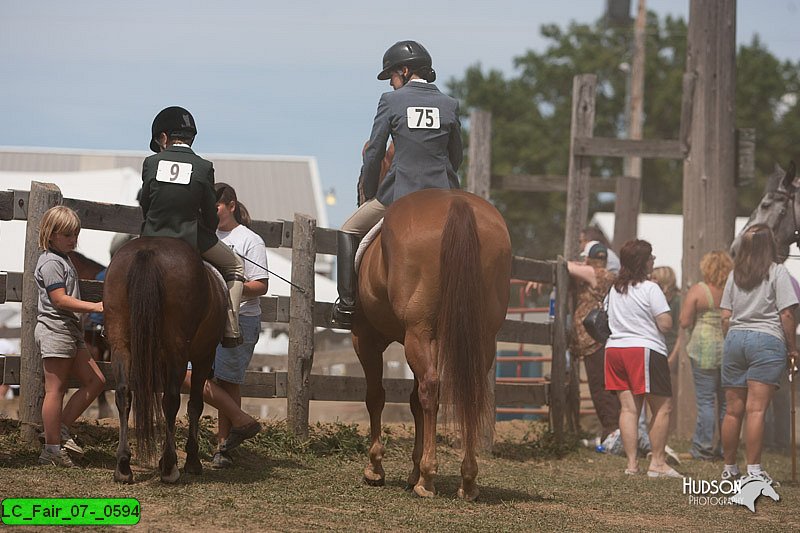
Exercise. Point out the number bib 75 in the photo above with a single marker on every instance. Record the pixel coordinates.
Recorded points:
(426, 118)
(174, 172)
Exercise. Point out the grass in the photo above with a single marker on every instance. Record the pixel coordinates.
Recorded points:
(281, 484)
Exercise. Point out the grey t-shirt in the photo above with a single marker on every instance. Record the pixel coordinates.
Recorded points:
(55, 271)
(759, 309)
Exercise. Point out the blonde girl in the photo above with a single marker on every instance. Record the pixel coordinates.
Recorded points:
(59, 336)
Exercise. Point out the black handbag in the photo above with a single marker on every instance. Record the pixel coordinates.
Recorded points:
(596, 323)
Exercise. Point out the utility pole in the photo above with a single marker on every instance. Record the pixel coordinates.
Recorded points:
(629, 185)
(709, 192)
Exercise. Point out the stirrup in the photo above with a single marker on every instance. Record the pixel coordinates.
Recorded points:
(342, 315)
(231, 342)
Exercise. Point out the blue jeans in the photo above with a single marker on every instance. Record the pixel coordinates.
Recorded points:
(231, 364)
(710, 409)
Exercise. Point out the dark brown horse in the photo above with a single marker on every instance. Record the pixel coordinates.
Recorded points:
(437, 280)
(92, 332)
(163, 308)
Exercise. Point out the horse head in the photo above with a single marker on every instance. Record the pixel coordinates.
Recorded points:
(779, 209)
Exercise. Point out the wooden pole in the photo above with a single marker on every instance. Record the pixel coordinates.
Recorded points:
(42, 197)
(479, 166)
(301, 325)
(709, 193)
(479, 177)
(584, 88)
(629, 186)
(558, 371)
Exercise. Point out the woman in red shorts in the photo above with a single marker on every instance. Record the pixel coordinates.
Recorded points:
(636, 361)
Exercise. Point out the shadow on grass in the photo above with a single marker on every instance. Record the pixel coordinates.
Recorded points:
(447, 487)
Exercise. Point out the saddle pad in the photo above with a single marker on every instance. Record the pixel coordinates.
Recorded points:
(218, 276)
(368, 238)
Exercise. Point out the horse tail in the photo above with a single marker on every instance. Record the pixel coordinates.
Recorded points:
(145, 299)
(461, 329)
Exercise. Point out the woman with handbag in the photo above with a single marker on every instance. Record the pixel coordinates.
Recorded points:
(758, 317)
(636, 361)
(589, 284)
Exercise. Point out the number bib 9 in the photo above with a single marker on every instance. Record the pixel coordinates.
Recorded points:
(426, 118)
(174, 172)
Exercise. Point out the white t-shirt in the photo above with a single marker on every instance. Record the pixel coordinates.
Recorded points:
(632, 317)
(244, 241)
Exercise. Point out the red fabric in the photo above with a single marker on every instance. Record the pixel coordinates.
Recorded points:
(625, 369)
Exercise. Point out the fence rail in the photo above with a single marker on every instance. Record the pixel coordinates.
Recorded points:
(301, 313)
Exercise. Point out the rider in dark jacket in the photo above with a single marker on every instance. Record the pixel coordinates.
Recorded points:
(178, 200)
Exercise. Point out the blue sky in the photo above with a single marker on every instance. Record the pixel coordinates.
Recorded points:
(267, 77)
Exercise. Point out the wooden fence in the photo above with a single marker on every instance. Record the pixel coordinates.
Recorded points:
(300, 311)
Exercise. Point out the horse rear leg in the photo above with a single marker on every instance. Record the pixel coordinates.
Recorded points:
(369, 347)
(170, 403)
(469, 466)
(419, 431)
(420, 354)
(195, 409)
(122, 396)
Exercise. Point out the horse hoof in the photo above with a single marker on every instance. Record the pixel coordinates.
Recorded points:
(468, 496)
(422, 492)
(373, 478)
(374, 482)
(194, 468)
(119, 477)
(173, 476)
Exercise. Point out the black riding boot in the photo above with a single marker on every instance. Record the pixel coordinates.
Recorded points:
(342, 314)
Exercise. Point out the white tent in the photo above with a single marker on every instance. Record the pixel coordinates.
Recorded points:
(665, 233)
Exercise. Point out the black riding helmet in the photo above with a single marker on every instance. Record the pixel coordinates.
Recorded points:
(410, 54)
(169, 120)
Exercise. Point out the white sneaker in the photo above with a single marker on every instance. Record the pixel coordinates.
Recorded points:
(672, 457)
(60, 458)
(67, 441)
(730, 476)
(761, 476)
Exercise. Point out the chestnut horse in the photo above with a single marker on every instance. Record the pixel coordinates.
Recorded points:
(163, 308)
(437, 280)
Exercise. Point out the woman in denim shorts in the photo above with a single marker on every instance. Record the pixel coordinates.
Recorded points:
(758, 315)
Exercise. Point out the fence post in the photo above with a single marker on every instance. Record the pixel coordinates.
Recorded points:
(479, 177)
(584, 89)
(301, 324)
(42, 197)
(558, 369)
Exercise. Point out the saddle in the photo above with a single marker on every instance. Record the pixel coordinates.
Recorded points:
(366, 241)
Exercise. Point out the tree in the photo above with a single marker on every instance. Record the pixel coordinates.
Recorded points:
(531, 118)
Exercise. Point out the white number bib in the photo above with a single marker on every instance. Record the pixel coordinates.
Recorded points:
(174, 172)
(426, 118)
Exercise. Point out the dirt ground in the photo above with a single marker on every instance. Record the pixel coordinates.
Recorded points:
(527, 483)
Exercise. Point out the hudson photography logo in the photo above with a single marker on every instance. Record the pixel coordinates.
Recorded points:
(744, 491)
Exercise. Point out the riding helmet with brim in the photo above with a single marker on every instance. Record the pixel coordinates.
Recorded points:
(170, 120)
(405, 53)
